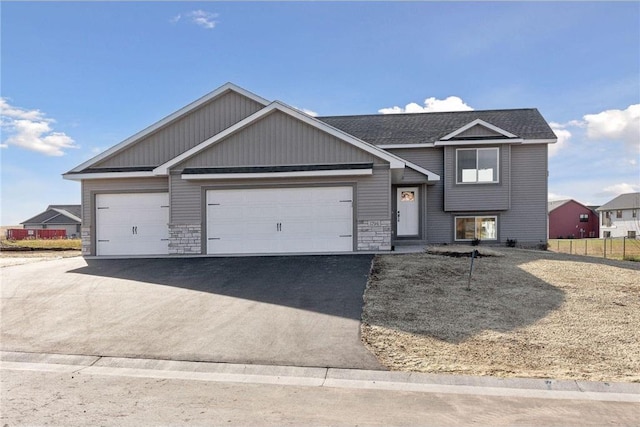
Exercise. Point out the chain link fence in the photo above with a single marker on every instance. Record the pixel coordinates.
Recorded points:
(614, 248)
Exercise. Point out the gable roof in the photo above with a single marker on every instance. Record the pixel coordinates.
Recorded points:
(424, 128)
(56, 215)
(623, 201)
(555, 204)
(168, 120)
(394, 161)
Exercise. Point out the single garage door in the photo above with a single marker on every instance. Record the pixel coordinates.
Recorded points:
(282, 220)
(132, 224)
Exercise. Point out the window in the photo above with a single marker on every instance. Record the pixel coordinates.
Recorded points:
(407, 196)
(618, 214)
(634, 213)
(606, 219)
(631, 234)
(476, 227)
(476, 165)
(606, 234)
(584, 217)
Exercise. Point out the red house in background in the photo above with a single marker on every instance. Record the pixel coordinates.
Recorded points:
(569, 219)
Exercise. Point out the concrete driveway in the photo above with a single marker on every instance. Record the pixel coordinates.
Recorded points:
(298, 310)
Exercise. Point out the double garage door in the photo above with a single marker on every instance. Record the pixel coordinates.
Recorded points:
(283, 220)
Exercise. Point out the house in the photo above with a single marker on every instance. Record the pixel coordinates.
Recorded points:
(59, 217)
(620, 217)
(233, 173)
(572, 220)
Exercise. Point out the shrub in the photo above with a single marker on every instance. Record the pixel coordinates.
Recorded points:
(512, 243)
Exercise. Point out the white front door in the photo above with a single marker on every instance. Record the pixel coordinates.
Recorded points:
(408, 211)
(132, 224)
(280, 220)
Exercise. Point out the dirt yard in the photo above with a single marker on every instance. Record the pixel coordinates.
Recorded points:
(526, 314)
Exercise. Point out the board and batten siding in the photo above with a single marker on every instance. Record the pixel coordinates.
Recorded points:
(185, 132)
(477, 197)
(526, 221)
(278, 139)
(436, 223)
(372, 193)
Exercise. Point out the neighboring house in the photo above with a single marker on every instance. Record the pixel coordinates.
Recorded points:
(620, 217)
(234, 173)
(569, 219)
(58, 217)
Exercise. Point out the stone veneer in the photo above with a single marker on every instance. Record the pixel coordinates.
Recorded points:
(374, 235)
(85, 237)
(185, 239)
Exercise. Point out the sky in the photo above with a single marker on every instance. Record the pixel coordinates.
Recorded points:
(79, 77)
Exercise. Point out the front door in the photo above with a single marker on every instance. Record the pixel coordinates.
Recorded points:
(408, 211)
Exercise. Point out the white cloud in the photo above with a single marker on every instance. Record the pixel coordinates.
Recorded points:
(563, 135)
(619, 125)
(203, 18)
(431, 105)
(31, 129)
(554, 196)
(175, 19)
(617, 189)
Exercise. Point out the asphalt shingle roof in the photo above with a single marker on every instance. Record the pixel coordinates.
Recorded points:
(56, 211)
(623, 201)
(420, 128)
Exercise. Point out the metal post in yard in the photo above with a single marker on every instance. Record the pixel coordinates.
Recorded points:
(605, 247)
(474, 254)
(585, 247)
(558, 245)
(570, 247)
(624, 247)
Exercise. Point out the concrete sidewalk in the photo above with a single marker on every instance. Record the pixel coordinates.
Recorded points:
(321, 377)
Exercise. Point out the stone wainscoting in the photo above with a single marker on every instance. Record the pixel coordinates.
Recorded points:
(85, 237)
(374, 235)
(185, 239)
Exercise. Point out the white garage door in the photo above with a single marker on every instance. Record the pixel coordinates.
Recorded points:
(132, 224)
(315, 219)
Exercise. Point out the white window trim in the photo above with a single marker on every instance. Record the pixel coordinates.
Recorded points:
(497, 181)
(475, 217)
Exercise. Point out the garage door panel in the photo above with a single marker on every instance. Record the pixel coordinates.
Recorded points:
(132, 224)
(280, 220)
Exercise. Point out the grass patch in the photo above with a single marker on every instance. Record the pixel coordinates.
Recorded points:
(42, 244)
(527, 314)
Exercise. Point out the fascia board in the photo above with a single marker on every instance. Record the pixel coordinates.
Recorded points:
(170, 118)
(481, 123)
(107, 175)
(478, 142)
(394, 161)
(391, 146)
(266, 175)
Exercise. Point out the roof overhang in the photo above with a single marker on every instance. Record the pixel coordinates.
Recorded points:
(107, 175)
(290, 171)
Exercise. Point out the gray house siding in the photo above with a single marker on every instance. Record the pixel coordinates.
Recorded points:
(477, 197)
(436, 222)
(123, 185)
(185, 132)
(478, 131)
(372, 199)
(526, 221)
(278, 139)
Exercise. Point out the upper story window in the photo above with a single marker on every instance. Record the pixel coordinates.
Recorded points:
(477, 165)
(618, 214)
(584, 217)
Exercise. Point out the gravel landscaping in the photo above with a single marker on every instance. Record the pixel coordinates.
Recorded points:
(526, 314)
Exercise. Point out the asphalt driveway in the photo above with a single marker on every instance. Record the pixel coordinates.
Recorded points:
(297, 310)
